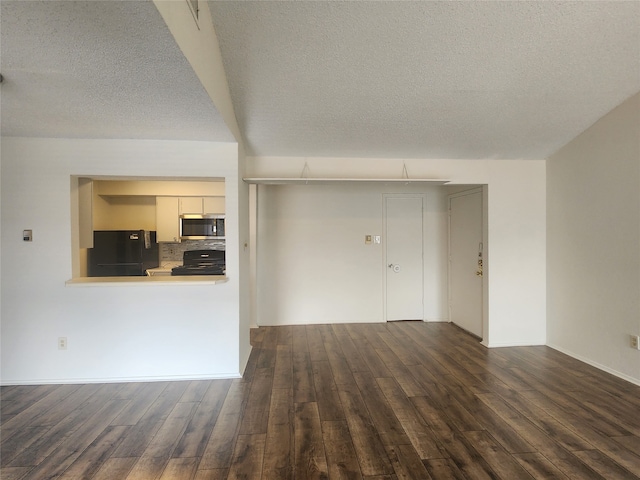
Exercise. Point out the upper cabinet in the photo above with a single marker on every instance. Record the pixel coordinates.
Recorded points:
(201, 205)
(190, 205)
(167, 219)
(169, 209)
(213, 205)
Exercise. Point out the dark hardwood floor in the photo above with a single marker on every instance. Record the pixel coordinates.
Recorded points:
(403, 400)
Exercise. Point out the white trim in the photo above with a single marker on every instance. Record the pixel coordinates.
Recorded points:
(326, 322)
(335, 181)
(145, 281)
(597, 365)
(508, 345)
(171, 378)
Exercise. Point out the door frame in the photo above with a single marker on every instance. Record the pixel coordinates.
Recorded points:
(482, 190)
(423, 197)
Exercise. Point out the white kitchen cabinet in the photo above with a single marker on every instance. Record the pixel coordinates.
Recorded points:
(201, 205)
(167, 219)
(213, 205)
(191, 205)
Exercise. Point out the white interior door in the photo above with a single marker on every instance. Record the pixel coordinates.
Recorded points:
(465, 244)
(404, 262)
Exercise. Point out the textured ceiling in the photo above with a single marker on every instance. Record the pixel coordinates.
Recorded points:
(99, 70)
(425, 79)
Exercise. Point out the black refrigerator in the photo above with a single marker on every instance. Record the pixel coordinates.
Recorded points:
(120, 253)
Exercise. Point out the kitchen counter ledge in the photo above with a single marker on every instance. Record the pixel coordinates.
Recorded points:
(146, 281)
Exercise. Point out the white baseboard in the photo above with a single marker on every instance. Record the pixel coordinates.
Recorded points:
(70, 381)
(515, 344)
(604, 368)
(339, 322)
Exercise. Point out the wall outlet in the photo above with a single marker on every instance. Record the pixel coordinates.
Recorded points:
(62, 343)
(635, 342)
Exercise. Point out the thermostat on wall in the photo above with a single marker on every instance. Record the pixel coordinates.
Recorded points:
(27, 235)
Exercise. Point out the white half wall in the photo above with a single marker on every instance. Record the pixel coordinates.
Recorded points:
(593, 220)
(296, 267)
(119, 332)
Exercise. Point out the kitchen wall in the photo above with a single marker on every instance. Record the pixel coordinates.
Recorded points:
(515, 273)
(124, 213)
(131, 205)
(593, 222)
(114, 333)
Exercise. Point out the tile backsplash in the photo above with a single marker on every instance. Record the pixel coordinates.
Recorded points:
(172, 252)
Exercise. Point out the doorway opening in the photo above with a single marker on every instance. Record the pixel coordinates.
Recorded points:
(467, 260)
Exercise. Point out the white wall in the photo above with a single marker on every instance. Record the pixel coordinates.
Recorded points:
(313, 263)
(516, 235)
(123, 332)
(593, 222)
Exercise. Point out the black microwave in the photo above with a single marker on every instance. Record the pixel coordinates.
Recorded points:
(201, 227)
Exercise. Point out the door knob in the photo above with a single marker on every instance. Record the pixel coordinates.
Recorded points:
(395, 268)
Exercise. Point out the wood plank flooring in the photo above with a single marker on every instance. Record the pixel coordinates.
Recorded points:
(403, 400)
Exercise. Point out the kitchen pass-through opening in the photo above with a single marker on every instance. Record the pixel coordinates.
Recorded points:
(151, 208)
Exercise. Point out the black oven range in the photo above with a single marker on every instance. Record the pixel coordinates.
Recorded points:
(201, 262)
